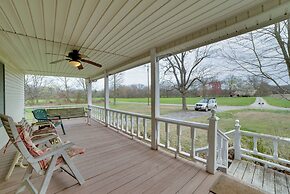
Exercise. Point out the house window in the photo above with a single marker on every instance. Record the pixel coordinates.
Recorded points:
(2, 90)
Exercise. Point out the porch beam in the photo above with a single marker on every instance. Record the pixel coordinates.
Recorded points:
(106, 103)
(90, 97)
(155, 99)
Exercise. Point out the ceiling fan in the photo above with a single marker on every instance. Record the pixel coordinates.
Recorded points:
(75, 58)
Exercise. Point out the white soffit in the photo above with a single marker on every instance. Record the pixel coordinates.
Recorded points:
(120, 33)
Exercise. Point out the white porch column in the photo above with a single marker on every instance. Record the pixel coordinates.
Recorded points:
(212, 143)
(106, 104)
(155, 99)
(90, 97)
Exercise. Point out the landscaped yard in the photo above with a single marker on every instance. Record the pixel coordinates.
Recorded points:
(274, 101)
(226, 101)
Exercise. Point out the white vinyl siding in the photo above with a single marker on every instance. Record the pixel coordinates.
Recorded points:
(14, 107)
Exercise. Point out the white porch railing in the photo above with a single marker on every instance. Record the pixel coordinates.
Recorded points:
(273, 160)
(139, 125)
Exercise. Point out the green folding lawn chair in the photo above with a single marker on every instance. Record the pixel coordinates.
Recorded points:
(42, 116)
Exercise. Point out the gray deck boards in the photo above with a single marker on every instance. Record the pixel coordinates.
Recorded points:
(114, 163)
(267, 179)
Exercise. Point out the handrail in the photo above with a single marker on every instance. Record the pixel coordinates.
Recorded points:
(255, 154)
(136, 125)
(184, 123)
(265, 136)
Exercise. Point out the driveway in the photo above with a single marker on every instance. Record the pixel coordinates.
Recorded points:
(260, 103)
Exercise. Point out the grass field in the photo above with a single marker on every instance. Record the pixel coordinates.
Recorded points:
(277, 102)
(228, 101)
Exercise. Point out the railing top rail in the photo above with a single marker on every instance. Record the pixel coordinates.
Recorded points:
(57, 106)
(130, 113)
(223, 134)
(97, 106)
(229, 132)
(184, 123)
(261, 135)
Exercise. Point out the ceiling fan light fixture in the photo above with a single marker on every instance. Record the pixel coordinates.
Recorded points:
(74, 63)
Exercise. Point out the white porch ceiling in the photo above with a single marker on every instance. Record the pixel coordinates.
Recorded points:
(119, 33)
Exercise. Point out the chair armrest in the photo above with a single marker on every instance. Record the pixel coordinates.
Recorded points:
(50, 153)
(44, 139)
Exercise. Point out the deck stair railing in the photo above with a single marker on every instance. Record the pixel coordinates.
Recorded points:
(254, 154)
(139, 126)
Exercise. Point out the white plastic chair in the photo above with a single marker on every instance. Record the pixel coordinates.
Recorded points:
(53, 154)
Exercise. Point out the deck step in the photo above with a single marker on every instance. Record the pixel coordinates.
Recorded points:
(263, 178)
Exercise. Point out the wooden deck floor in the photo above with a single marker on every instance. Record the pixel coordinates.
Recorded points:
(113, 163)
(266, 179)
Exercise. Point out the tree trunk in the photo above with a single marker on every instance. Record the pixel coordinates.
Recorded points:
(184, 106)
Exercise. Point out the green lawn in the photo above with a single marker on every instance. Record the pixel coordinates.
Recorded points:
(268, 122)
(277, 102)
(228, 101)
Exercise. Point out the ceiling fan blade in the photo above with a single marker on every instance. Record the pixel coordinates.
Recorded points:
(55, 54)
(91, 62)
(53, 62)
(80, 67)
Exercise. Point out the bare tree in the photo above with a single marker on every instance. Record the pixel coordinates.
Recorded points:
(263, 53)
(116, 81)
(183, 69)
(81, 82)
(32, 86)
(66, 86)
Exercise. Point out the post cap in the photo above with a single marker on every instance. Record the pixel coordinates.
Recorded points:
(237, 123)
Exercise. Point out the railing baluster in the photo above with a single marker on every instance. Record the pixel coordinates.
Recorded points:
(178, 140)
(126, 121)
(145, 129)
(137, 126)
(219, 149)
(193, 134)
(132, 126)
(166, 135)
(275, 145)
(118, 126)
(225, 152)
(255, 144)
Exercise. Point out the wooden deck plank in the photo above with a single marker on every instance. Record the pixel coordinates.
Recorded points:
(113, 163)
(249, 173)
(161, 178)
(268, 184)
(125, 188)
(233, 167)
(177, 185)
(240, 170)
(258, 177)
(288, 182)
(193, 183)
(280, 183)
(205, 186)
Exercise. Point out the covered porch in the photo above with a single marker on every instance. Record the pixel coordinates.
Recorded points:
(121, 35)
(116, 163)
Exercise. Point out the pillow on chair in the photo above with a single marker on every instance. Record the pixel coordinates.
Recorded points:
(31, 147)
(35, 151)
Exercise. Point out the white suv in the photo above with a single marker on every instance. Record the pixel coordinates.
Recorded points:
(206, 104)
